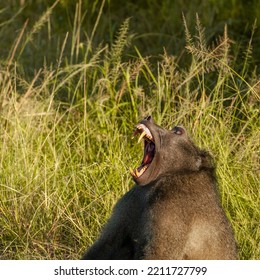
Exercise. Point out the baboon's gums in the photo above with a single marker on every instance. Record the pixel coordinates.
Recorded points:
(173, 211)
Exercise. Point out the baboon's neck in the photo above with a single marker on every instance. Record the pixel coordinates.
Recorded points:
(199, 181)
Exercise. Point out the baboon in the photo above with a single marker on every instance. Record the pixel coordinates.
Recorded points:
(173, 211)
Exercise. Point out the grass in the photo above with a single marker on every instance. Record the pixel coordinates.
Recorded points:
(65, 138)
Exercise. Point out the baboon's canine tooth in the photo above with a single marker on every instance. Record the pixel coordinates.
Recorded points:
(141, 136)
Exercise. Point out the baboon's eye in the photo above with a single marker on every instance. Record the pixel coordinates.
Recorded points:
(178, 130)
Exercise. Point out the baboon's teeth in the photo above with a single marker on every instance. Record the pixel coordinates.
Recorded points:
(143, 134)
(139, 173)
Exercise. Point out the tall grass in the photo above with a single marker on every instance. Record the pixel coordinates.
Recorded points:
(65, 138)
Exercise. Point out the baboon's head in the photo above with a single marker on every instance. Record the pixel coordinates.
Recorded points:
(166, 152)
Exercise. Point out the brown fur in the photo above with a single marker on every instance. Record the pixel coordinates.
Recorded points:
(192, 221)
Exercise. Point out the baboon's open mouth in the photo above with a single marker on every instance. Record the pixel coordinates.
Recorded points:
(149, 149)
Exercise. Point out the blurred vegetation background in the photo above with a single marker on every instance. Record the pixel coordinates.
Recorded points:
(76, 76)
(154, 26)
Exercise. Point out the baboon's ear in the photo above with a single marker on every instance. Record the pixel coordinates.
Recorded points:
(149, 118)
(205, 161)
(179, 130)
